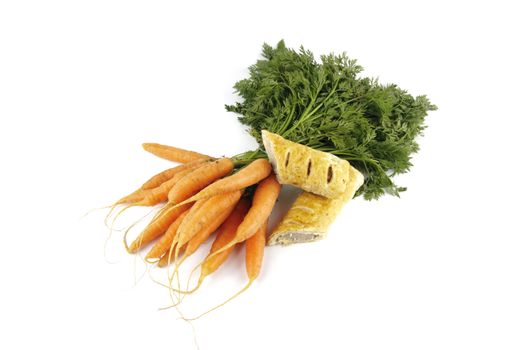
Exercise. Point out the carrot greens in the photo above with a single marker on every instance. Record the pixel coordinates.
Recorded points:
(328, 106)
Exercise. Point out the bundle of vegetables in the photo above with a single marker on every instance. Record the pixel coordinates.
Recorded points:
(320, 127)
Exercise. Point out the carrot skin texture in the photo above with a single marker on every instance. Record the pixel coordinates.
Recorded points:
(155, 181)
(167, 258)
(199, 179)
(157, 227)
(163, 176)
(255, 252)
(201, 236)
(133, 197)
(173, 154)
(247, 176)
(160, 194)
(204, 214)
(263, 202)
(164, 243)
(225, 234)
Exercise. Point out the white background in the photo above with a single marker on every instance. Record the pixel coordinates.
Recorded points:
(84, 83)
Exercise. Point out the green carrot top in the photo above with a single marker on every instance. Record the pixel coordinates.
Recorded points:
(326, 105)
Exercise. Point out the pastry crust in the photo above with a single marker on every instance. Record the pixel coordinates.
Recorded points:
(314, 171)
(311, 215)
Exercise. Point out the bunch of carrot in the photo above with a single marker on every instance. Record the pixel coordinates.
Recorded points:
(201, 196)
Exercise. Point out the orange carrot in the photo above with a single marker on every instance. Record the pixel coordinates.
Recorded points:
(254, 250)
(160, 194)
(163, 176)
(199, 178)
(201, 216)
(263, 201)
(173, 153)
(165, 241)
(201, 236)
(169, 258)
(133, 197)
(247, 176)
(224, 235)
(154, 195)
(157, 227)
(155, 181)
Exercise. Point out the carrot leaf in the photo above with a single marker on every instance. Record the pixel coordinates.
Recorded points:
(328, 106)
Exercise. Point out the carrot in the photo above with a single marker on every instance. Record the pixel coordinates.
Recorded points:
(160, 194)
(202, 215)
(155, 181)
(199, 178)
(166, 259)
(247, 176)
(201, 236)
(165, 241)
(263, 201)
(163, 176)
(169, 257)
(133, 197)
(148, 194)
(254, 251)
(224, 235)
(156, 228)
(173, 153)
